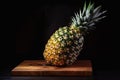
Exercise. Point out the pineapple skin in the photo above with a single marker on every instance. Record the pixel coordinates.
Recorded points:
(64, 46)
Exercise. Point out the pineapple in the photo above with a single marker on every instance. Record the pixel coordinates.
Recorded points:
(66, 43)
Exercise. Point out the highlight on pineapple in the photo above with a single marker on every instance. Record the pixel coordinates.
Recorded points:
(66, 43)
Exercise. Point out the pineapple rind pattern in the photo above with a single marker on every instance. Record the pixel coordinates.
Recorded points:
(63, 46)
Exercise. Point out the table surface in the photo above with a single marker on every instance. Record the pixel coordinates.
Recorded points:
(36, 68)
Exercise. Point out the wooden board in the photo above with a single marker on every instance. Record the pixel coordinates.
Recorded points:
(36, 68)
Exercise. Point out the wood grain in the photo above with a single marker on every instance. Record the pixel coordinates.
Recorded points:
(37, 68)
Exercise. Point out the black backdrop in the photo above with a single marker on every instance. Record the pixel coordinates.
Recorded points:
(35, 23)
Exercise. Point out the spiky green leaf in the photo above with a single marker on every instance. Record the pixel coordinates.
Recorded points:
(88, 17)
(84, 9)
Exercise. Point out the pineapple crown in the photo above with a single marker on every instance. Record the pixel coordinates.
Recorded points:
(87, 18)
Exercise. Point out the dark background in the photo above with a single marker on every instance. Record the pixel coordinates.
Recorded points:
(35, 22)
